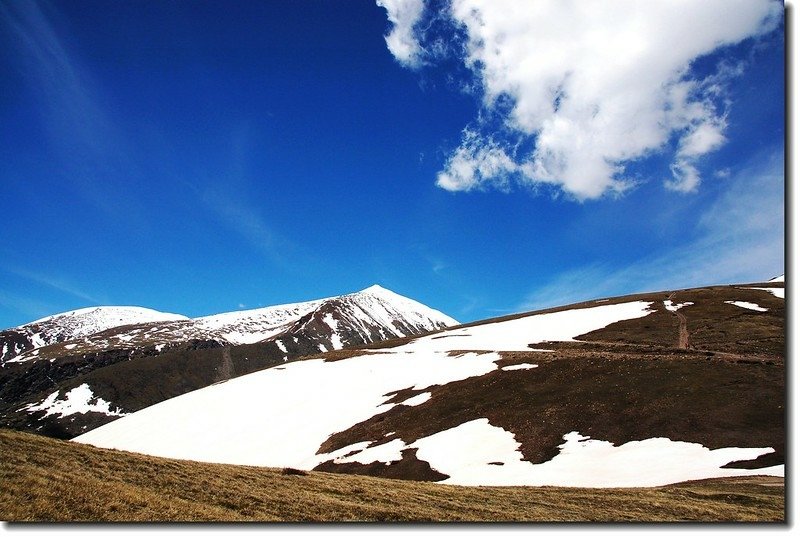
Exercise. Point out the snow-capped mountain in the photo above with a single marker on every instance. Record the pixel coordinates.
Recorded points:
(118, 360)
(81, 323)
(370, 315)
(643, 390)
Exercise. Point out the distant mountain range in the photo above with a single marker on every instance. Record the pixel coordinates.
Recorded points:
(111, 360)
(641, 390)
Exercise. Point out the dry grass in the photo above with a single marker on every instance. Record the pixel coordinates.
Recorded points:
(50, 480)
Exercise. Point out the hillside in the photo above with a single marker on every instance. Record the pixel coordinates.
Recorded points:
(48, 480)
(634, 391)
(68, 373)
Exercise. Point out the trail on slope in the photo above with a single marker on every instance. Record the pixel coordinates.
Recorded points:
(683, 330)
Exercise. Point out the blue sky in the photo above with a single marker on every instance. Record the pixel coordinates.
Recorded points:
(199, 157)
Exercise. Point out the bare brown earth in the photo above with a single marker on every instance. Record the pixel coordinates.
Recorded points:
(49, 480)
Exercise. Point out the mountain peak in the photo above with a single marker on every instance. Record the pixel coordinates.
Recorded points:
(377, 290)
(373, 288)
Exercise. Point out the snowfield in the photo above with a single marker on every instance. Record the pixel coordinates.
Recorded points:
(280, 417)
(470, 453)
(517, 334)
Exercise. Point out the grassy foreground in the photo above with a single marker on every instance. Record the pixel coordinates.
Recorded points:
(49, 480)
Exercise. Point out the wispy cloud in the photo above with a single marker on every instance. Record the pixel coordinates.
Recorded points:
(740, 238)
(56, 282)
(80, 131)
(574, 91)
(25, 307)
(243, 219)
(438, 266)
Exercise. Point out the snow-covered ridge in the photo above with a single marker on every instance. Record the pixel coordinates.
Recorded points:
(372, 314)
(75, 325)
(86, 321)
(368, 307)
(252, 326)
(379, 299)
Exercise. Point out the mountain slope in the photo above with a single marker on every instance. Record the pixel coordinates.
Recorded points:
(97, 372)
(615, 392)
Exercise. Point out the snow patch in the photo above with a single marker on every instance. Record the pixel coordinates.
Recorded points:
(245, 338)
(779, 292)
(518, 367)
(385, 453)
(37, 340)
(417, 399)
(675, 307)
(746, 305)
(70, 346)
(280, 345)
(78, 400)
(333, 324)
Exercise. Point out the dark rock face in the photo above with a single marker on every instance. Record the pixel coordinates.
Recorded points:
(13, 342)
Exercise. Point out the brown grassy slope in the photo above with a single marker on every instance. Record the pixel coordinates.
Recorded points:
(713, 324)
(44, 479)
(610, 396)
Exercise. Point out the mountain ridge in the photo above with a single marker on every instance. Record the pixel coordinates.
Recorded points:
(235, 327)
(108, 371)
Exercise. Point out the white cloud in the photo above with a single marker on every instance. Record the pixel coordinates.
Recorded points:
(703, 138)
(591, 86)
(475, 163)
(685, 177)
(403, 14)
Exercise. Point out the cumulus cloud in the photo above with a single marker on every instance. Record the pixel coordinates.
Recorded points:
(402, 43)
(592, 86)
